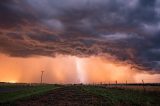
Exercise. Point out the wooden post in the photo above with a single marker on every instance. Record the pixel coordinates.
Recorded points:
(42, 76)
(116, 83)
(143, 85)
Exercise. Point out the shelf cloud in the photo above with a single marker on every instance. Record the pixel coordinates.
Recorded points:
(127, 30)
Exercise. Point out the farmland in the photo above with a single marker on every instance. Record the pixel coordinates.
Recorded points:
(78, 94)
(122, 96)
(11, 92)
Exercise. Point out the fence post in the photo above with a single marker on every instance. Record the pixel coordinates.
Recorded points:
(116, 83)
(143, 85)
(42, 76)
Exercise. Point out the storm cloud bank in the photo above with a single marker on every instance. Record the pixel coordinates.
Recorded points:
(127, 30)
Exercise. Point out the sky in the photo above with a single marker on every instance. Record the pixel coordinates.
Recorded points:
(80, 41)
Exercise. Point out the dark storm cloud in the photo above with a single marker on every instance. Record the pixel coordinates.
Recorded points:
(127, 30)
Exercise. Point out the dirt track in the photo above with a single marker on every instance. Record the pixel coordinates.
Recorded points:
(65, 96)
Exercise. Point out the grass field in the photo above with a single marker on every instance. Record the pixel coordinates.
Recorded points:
(129, 97)
(11, 92)
(77, 95)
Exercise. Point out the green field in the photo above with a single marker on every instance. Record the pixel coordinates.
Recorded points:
(11, 92)
(77, 95)
(116, 96)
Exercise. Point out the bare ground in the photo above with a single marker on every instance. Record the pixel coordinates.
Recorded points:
(65, 96)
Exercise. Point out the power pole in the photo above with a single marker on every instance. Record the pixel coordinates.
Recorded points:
(42, 76)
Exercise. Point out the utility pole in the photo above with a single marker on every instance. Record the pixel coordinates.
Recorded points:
(42, 76)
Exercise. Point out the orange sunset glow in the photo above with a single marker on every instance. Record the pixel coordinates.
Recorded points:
(69, 69)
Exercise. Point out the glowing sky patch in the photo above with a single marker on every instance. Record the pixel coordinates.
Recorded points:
(80, 70)
(69, 69)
